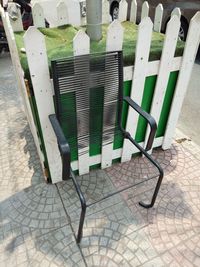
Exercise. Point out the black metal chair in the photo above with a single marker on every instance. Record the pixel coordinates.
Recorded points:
(85, 87)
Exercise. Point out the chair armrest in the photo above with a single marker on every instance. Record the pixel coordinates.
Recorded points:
(62, 145)
(151, 121)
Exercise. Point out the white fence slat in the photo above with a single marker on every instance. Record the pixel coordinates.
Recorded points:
(115, 32)
(145, 10)
(81, 44)
(114, 38)
(123, 7)
(169, 47)
(62, 14)
(191, 46)
(36, 55)
(139, 76)
(106, 18)
(17, 24)
(38, 16)
(20, 79)
(177, 12)
(74, 12)
(158, 18)
(133, 14)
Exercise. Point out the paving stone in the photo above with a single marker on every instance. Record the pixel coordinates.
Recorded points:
(34, 227)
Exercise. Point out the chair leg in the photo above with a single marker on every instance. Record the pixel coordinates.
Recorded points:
(81, 222)
(147, 206)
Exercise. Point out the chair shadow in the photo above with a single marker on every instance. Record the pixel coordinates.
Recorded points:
(36, 214)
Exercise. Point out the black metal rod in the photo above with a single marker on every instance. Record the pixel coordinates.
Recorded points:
(157, 166)
(121, 190)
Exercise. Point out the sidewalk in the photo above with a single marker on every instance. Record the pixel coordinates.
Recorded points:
(35, 229)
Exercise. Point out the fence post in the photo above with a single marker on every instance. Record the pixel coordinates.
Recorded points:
(158, 18)
(190, 51)
(177, 12)
(38, 16)
(138, 81)
(115, 32)
(34, 42)
(133, 14)
(17, 24)
(145, 10)
(106, 18)
(62, 14)
(123, 6)
(81, 46)
(166, 61)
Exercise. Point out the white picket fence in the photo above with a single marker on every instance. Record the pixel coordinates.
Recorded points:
(69, 12)
(42, 84)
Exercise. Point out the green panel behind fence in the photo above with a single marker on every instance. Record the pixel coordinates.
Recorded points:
(95, 148)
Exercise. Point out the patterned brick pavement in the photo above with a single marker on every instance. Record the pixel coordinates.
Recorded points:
(35, 229)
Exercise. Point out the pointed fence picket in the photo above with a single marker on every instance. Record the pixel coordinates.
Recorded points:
(158, 18)
(166, 62)
(40, 78)
(115, 32)
(106, 18)
(82, 100)
(138, 81)
(123, 6)
(38, 16)
(17, 24)
(133, 14)
(177, 12)
(145, 10)
(62, 13)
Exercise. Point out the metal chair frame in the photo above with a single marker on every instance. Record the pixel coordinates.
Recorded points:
(64, 148)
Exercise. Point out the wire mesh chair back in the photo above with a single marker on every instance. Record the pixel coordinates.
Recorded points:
(88, 98)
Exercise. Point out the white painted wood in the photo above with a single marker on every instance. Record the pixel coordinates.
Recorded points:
(74, 12)
(139, 76)
(115, 155)
(17, 24)
(106, 18)
(62, 14)
(37, 56)
(81, 45)
(20, 80)
(153, 68)
(169, 47)
(145, 10)
(115, 32)
(114, 38)
(158, 18)
(133, 14)
(191, 46)
(176, 12)
(38, 16)
(123, 6)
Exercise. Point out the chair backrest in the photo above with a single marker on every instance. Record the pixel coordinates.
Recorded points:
(88, 100)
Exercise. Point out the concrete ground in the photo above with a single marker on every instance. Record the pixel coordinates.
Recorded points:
(35, 229)
(189, 120)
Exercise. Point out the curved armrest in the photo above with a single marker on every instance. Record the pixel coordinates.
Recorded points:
(62, 145)
(151, 121)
